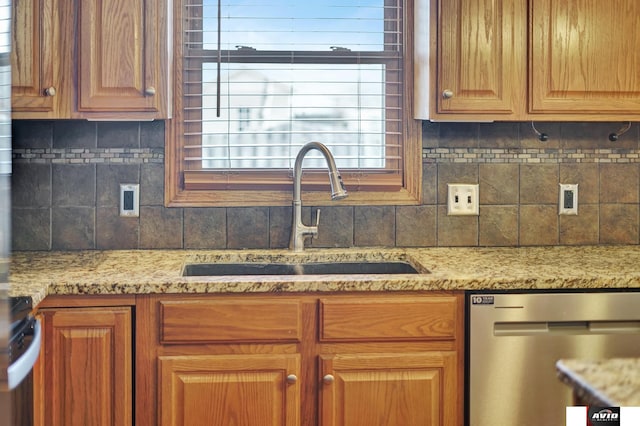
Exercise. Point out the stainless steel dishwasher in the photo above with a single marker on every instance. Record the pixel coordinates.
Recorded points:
(515, 339)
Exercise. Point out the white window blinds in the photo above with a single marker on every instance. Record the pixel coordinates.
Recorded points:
(259, 79)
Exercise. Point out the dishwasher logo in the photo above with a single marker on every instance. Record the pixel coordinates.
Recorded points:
(481, 299)
(599, 416)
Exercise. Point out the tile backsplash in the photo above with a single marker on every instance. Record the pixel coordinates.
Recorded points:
(66, 177)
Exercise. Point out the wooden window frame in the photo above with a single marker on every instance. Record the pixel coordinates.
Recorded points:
(275, 189)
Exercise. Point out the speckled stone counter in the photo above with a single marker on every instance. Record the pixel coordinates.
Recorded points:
(612, 382)
(39, 274)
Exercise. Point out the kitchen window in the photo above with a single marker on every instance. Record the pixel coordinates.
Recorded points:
(256, 80)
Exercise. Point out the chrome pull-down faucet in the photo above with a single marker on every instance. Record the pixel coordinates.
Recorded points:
(299, 231)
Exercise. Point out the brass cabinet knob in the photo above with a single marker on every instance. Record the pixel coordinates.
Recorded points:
(447, 94)
(292, 378)
(328, 379)
(150, 91)
(50, 91)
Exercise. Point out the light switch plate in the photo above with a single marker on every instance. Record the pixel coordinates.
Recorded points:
(463, 199)
(130, 199)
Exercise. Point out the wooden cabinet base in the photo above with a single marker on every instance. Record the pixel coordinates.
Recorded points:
(331, 360)
(87, 372)
(212, 390)
(377, 389)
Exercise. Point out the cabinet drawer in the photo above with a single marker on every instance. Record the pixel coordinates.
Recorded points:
(410, 318)
(228, 320)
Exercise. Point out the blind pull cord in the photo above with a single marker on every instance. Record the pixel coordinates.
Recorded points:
(218, 85)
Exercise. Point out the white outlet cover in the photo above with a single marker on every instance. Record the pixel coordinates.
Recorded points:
(568, 200)
(463, 199)
(129, 200)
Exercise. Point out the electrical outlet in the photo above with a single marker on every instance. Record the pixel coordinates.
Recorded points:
(568, 202)
(130, 200)
(463, 199)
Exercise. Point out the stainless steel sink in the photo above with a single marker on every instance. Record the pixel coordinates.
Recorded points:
(308, 268)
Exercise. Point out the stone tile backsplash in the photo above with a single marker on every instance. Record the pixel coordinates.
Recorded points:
(66, 177)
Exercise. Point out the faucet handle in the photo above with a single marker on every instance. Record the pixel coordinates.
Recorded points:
(314, 229)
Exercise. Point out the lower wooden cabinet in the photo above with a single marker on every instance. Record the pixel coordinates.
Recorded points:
(84, 374)
(409, 389)
(374, 359)
(288, 360)
(390, 360)
(222, 390)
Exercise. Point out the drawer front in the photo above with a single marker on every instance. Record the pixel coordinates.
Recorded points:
(203, 321)
(398, 319)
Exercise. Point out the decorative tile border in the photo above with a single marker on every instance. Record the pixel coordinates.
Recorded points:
(512, 155)
(85, 155)
(429, 155)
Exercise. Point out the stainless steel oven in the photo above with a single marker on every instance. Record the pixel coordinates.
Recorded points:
(20, 352)
(24, 348)
(5, 397)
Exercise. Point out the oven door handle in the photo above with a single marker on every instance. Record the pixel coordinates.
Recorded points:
(19, 369)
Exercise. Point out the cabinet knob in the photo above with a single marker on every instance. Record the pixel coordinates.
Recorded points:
(50, 91)
(292, 378)
(447, 94)
(328, 379)
(150, 91)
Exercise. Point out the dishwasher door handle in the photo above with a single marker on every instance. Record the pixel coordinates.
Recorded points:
(614, 327)
(526, 328)
(520, 328)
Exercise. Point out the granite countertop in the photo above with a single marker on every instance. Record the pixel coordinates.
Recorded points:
(39, 274)
(607, 383)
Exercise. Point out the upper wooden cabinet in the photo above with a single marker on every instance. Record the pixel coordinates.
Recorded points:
(121, 59)
(480, 60)
(541, 60)
(585, 57)
(34, 79)
(105, 60)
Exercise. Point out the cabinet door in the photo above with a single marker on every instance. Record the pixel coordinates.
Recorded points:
(409, 389)
(481, 58)
(35, 38)
(121, 58)
(87, 366)
(223, 390)
(585, 56)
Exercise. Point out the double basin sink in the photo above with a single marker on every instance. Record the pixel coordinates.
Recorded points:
(299, 266)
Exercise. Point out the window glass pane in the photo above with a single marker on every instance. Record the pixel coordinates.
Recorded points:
(268, 111)
(295, 25)
(289, 72)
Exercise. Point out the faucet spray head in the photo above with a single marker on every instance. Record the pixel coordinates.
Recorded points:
(338, 191)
